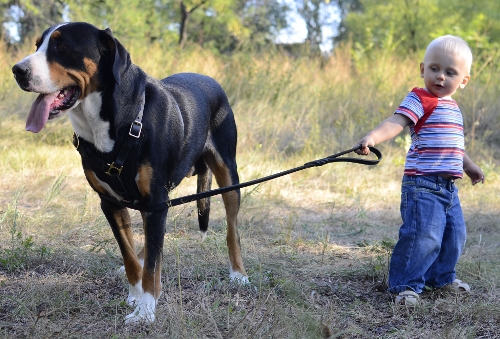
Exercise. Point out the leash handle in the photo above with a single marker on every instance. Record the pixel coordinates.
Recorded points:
(336, 158)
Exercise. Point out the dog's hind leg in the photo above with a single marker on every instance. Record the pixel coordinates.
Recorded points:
(225, 174)
(119, 220)
(204, 183)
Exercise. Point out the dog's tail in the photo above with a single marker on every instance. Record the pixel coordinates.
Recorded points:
(204, 184)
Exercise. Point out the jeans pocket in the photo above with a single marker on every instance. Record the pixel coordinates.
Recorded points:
(427, 184)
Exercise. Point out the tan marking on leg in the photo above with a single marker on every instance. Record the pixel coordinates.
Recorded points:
(151, 280)
(91, 178)
(143, 179)
(233, 238)
(223, 178)
(133, 268)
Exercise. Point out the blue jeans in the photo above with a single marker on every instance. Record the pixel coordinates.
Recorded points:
(431, 237)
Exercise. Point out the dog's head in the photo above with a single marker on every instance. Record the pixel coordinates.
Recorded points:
(71, 61)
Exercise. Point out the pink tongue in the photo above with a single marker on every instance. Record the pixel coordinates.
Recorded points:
(39, 112)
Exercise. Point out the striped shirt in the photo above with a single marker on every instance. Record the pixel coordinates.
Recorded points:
(438, 149)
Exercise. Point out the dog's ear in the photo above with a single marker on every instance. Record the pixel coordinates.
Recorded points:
(120, 56)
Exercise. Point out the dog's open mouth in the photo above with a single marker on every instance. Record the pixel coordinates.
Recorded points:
(49, 106)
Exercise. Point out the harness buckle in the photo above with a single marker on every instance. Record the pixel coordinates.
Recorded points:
(112, 167)
(135, 129)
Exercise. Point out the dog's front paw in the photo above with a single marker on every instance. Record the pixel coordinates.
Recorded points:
(144, 312)
(238, 278)
(134, 294)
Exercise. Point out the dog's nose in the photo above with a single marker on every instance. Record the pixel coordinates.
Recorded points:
(22, 74)
(21, 70)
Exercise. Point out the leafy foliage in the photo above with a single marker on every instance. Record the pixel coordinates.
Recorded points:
(398, 26)
(129, 19)
(406, 26)
(30, 16)
(222, 25)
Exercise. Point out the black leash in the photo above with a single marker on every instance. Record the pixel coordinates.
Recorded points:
(150, 207)
(315, 163)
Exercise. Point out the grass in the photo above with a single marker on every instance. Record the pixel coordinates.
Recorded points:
(315, 243)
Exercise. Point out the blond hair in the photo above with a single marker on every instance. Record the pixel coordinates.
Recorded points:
(453, 44)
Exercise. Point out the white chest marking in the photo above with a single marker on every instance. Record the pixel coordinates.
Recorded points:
(88, 124)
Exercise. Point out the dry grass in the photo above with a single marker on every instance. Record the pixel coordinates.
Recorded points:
(315, 243)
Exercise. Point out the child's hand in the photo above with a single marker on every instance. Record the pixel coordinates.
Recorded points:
(386, 130)
(475, 173)
(364, 143)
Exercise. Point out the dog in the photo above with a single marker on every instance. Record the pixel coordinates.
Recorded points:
(138, 138)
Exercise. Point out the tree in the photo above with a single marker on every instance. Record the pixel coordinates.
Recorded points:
(263, 18)
(185, 15)
(222, 25)
(310, 12)
(409, 25)
(30, 16)
(226, 24)
(317, 15)
(128, 19)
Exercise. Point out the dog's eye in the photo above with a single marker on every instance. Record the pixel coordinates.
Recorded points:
(59, 45)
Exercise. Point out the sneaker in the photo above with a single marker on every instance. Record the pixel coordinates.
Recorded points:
(407, 298)
(457, 286)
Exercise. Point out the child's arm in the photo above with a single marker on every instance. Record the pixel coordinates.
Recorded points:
(386, 130)
(473, 171)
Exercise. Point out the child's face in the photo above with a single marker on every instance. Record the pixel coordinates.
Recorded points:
(444, 72)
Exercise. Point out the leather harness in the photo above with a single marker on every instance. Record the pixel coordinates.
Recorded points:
(117, 168)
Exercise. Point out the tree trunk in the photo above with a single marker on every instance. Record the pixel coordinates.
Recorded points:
(183, 27)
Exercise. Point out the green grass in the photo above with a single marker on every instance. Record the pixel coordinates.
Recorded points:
(315, 243)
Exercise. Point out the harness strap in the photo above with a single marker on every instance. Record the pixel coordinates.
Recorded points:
(136, 127)
(131, 144)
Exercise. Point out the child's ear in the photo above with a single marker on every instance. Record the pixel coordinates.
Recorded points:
(465, 81)
(422, 66)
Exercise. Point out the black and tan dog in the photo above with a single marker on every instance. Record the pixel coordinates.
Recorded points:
(138, 138)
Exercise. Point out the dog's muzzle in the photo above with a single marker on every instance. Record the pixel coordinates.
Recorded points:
(22, 74)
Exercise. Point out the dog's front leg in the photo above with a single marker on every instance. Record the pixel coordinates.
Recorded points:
(154, 232)
(119, 220)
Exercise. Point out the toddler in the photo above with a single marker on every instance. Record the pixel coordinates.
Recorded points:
(433, 232)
